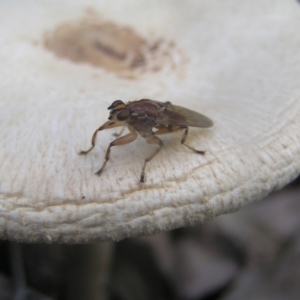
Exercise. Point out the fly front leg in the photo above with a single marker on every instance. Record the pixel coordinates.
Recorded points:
(93, 144)
(151, 139)
(126, 139)
(107, 125)
(188, 146)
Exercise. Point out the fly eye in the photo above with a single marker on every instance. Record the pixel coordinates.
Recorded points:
(123, 114)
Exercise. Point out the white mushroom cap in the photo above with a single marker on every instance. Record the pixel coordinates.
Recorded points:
(234, 61)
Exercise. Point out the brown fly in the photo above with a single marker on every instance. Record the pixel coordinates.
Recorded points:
(149, 118)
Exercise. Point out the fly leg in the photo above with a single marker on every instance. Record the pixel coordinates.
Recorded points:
(126, 139)
(188, 146)
(107, 125)
(169, 129)
(93, 144)
(151, 139)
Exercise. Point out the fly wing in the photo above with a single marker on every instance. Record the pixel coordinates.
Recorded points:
(182, 116)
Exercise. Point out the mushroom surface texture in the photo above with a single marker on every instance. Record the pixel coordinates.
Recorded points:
(64, 62)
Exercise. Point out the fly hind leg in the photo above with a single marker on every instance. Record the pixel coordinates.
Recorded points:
(151, 139)
(188, 146)
(169, 129)
(126, 139)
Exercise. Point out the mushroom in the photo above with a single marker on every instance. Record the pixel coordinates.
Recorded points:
(63, 64)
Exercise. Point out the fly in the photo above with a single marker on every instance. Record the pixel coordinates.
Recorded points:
(149, 118)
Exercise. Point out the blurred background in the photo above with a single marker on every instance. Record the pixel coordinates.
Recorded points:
(250, 254)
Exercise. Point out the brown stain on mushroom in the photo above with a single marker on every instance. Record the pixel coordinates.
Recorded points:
(116, 48)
